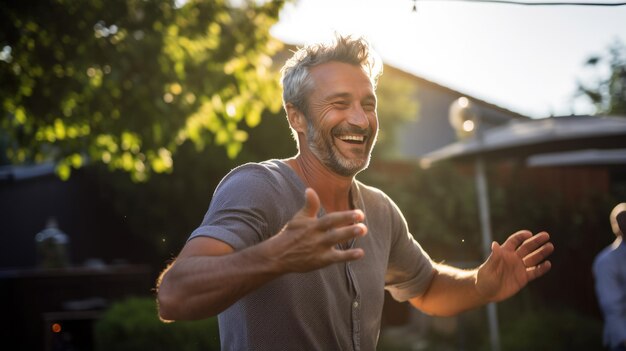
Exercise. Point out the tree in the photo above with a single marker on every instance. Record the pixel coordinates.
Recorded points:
(126, 82)
(397, 105)
(608, 94)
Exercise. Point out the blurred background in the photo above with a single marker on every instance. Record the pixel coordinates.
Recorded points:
(119, 118)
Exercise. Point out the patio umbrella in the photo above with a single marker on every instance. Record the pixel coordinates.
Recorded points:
(521, 139)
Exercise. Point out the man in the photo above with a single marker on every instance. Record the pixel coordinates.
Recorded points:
(609, 270)
(295, 254)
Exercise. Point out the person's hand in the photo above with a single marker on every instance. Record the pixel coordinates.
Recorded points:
(307, 242)
(510, 267)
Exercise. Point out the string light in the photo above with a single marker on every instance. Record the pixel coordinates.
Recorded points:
(545, 3)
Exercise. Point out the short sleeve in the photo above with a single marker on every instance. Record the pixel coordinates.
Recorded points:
(240, 213)
(410, 269)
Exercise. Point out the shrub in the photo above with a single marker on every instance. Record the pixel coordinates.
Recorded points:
(552, 330)
(133, 324)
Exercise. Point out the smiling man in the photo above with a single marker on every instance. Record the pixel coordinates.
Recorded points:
(296, 254)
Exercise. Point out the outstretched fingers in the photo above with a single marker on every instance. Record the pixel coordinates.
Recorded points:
(535, 249)
(538, 270)
(336, 255)
(343, 234)
(336, 228)
(341, 227)
(307, 216)
(539, 255)
(339, 219)
(514, 241)
(534, 252)
(532, 243)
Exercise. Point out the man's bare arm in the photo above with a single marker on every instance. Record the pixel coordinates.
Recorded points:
(209, 276)
(509, 268)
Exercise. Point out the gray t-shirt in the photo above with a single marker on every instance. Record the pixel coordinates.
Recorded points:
(338, 307)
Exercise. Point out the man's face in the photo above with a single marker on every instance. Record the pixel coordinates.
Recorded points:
(341, 120)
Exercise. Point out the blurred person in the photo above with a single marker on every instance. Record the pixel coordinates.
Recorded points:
(609, 270)
(295, 254)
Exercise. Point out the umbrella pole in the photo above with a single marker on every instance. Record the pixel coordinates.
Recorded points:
(485, 225)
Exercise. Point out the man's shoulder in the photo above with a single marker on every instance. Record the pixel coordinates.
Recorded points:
(368, 188)
(370, 191)
(374, 195)
(265, 177)
(269, 169)
(261, 166)
(605, 258)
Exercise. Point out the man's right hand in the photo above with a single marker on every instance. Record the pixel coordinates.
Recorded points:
(307, 243)
(194, 287)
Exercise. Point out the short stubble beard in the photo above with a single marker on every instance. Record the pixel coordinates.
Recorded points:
(324, 149)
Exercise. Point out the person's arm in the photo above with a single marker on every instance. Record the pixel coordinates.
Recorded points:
(208, 276)
(508, 269)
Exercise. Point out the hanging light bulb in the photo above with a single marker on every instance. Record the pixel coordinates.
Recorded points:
(414, 5)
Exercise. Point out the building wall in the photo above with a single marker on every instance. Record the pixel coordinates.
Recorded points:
(431, 130)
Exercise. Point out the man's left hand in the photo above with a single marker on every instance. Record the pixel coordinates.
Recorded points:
(521, 259)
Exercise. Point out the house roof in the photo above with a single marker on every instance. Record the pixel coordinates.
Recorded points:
(547, 135)
(423, 81)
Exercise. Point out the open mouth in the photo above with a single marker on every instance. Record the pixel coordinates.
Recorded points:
(352, 139)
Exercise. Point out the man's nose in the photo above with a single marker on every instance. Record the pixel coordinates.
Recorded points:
(358, 117)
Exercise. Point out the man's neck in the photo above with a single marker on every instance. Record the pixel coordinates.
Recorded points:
(332, 189)
(617, 242)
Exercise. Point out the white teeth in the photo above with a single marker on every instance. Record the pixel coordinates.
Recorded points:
(359, 138)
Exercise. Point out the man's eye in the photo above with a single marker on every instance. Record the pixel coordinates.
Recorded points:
(369, 107)
(341, 104)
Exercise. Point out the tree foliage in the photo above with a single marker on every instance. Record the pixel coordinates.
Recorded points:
(608, 93)
(148, 208)
(126, 82)
(397, 105)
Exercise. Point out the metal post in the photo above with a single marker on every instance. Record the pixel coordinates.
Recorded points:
(461, 112)
(485, 225)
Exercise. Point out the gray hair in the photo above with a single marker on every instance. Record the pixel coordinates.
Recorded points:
(296, 80)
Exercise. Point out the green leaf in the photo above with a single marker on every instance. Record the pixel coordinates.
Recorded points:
(133, 78)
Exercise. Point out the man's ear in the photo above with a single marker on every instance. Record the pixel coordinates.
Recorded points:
(296, 119)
